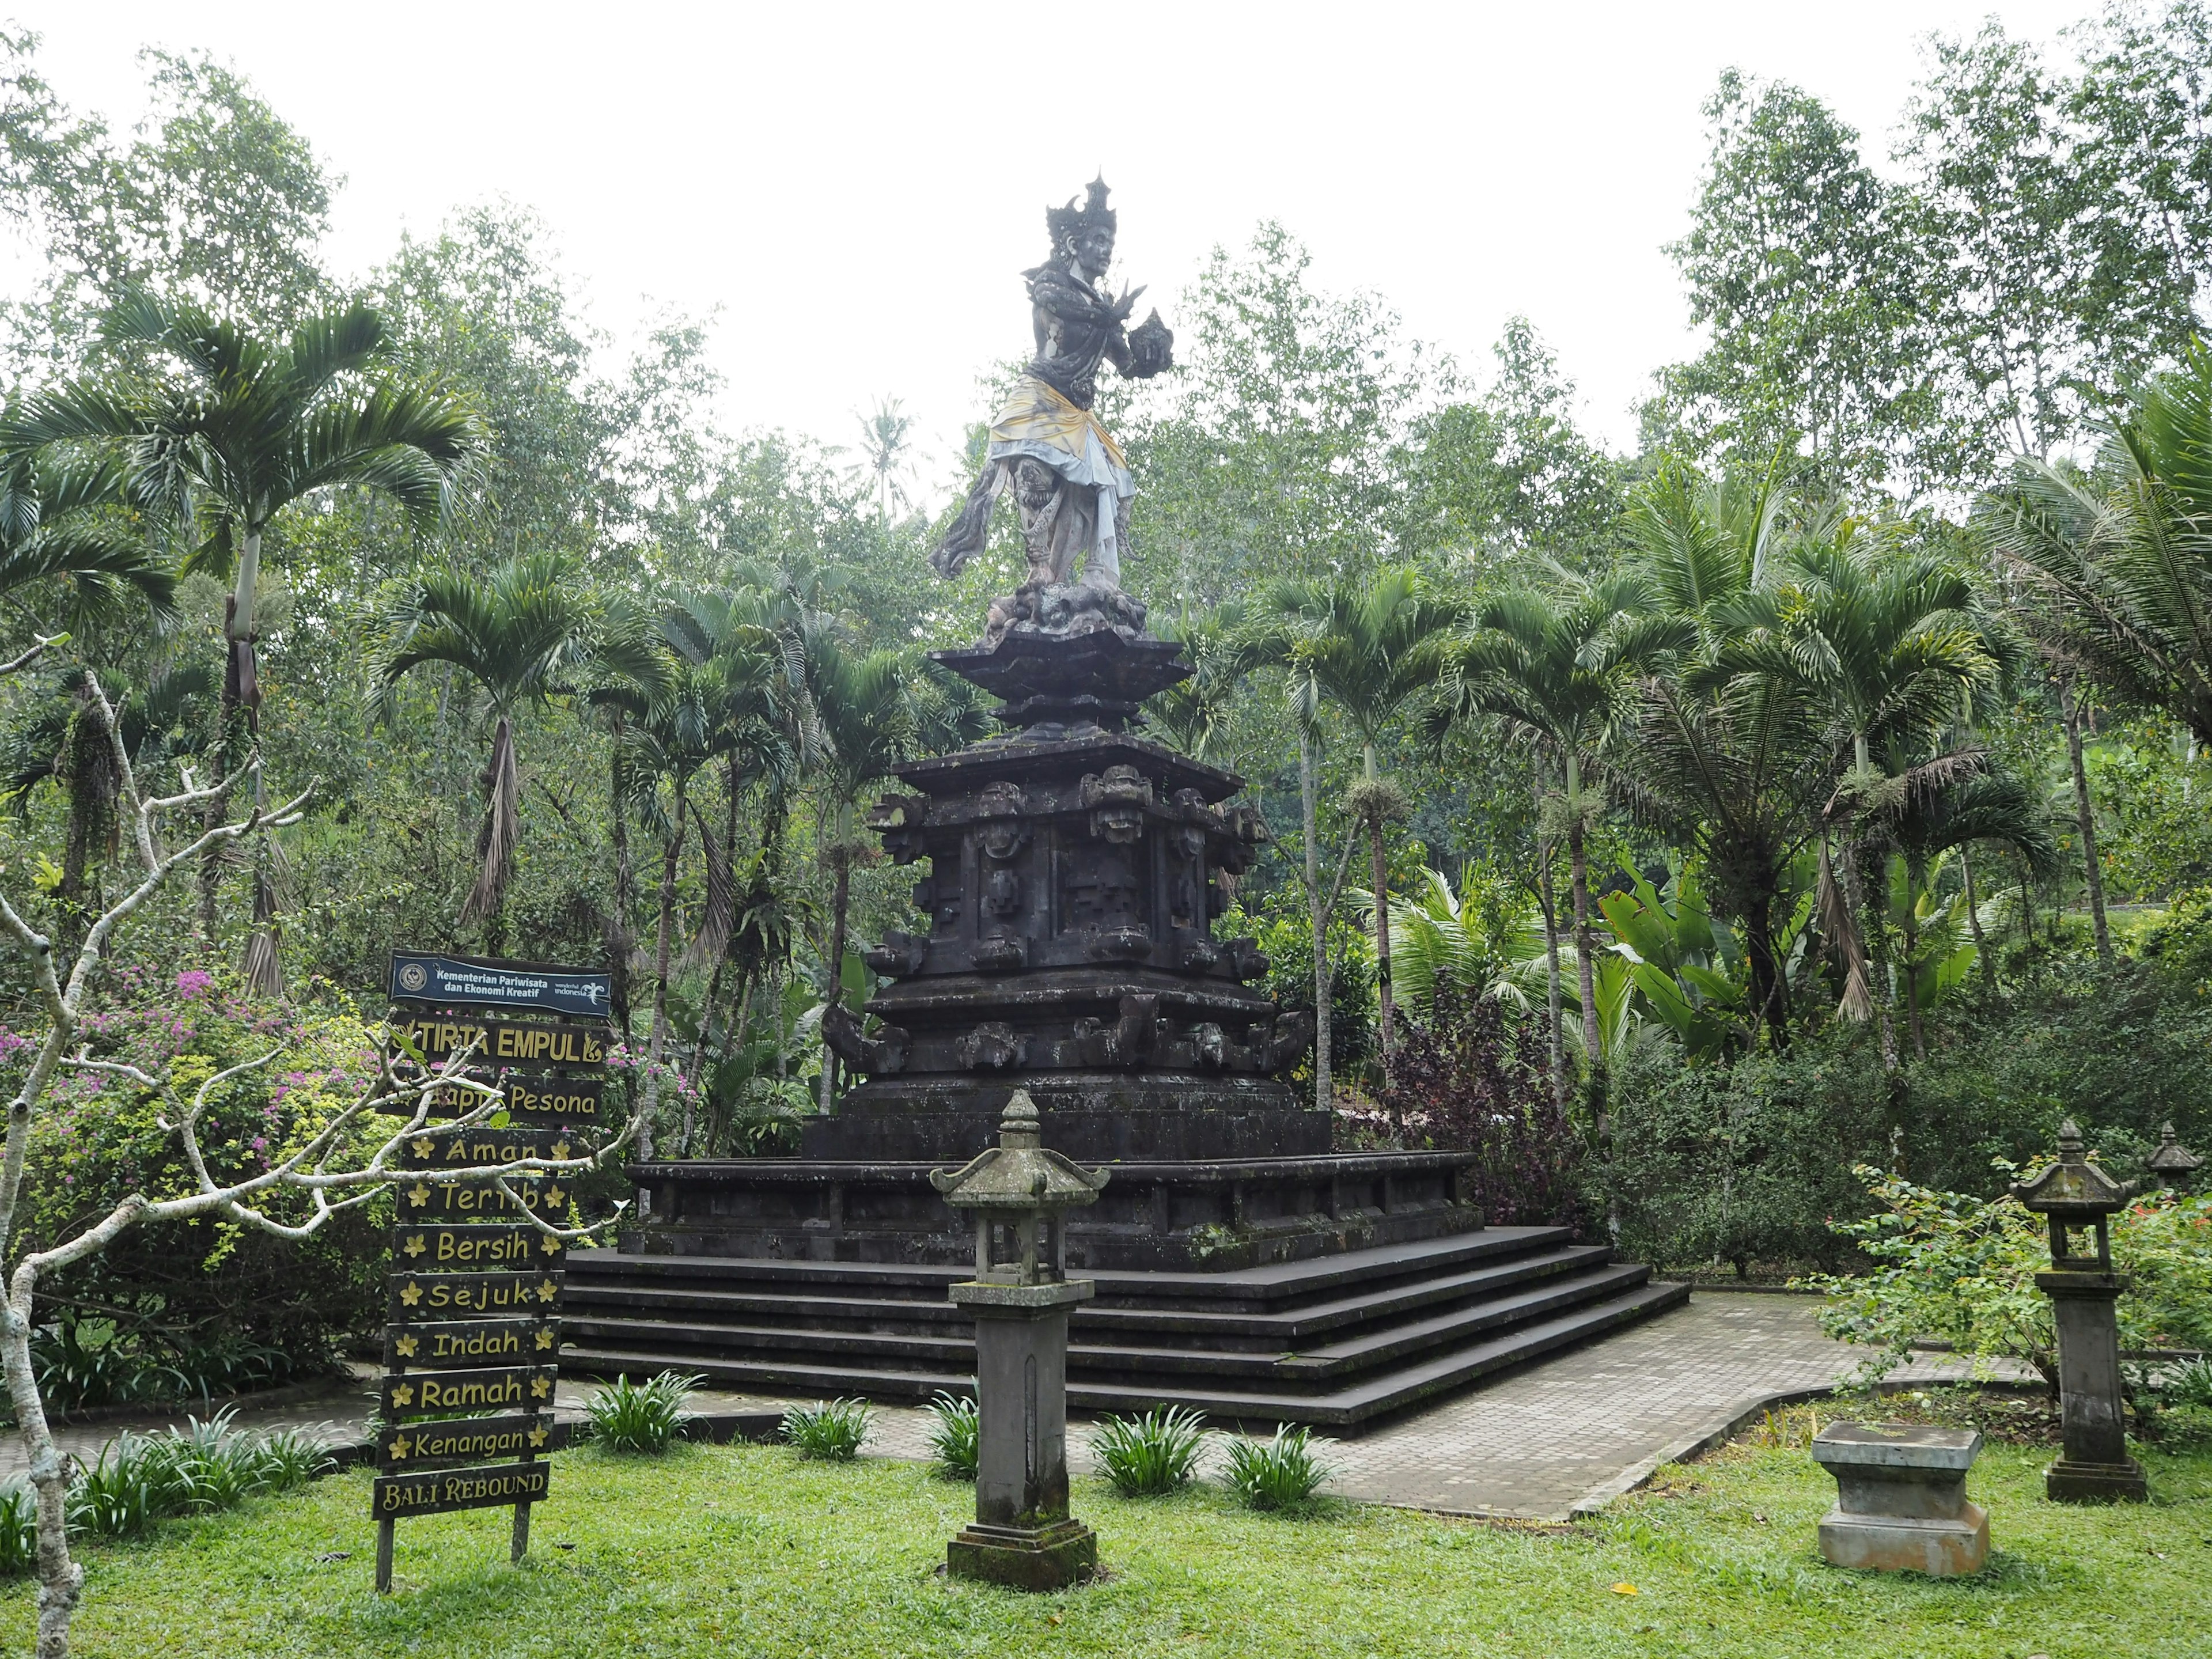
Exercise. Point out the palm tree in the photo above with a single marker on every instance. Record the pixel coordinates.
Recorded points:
(229, 430)
(63, 525)
(1558, 669)
(2120, 563)
(1194, 713)
(867, 726)
(623, 673)
(1733, 766)
(1367, 646)
(886, 455)
(512, 631)
(1895, 648)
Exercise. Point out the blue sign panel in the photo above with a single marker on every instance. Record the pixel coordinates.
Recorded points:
(419, 977)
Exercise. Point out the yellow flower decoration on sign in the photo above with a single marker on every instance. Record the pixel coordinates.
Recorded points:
(404, 1394)
(410, 1293)
(545, 1337)
(414, 1244)
(401, 1447)
(418, 1195)
(539, 1388)
(405, 1347)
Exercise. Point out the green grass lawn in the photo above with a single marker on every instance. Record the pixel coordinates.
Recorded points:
(743, 1550)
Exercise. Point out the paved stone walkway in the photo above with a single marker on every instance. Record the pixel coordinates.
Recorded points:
(1563, 1436)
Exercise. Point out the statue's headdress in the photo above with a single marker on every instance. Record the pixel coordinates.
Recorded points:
(1065, 223)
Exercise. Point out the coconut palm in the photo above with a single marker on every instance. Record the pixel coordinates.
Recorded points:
(1194, 713)
(1558, 669)
(513, 631)
(1367, 646)
(225, 430)
(887, 455)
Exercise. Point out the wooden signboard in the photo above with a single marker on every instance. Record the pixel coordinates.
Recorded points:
(406, 1447)
(482, 1200)
(539, 1101)
(445, 1490)
(494, 1389)
(504, 1042)
(473, 1292)
(459, 1344)
(474, 1296)
(453, 1149)
(477, 1249)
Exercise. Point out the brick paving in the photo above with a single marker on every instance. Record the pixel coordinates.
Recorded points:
(1558, 1438)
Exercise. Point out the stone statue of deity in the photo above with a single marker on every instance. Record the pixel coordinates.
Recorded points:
(1067, 475)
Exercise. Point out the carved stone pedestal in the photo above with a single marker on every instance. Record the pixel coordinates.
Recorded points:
(1023, 1536)
(1901, 1501)
(2094, 1467)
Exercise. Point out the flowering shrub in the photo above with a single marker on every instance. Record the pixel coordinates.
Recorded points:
(1962, 1270)
(1474, 1078)
(203, 1306)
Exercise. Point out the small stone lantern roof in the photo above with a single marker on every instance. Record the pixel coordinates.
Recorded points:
(2173, 1163)
(2075, 1193)
(2073, 1189)
(1016, 1190)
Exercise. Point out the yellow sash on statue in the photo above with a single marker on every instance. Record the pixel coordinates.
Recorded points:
(1036, 413)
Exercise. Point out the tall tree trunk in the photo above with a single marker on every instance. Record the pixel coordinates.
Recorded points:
(1324, 1096)
(1770, 987)
(1384, 1007)
(1552, 999)
(840, 900)
(672, 855)
(1974, 924)
(1912, 967)
(61, 1580)
(1585, 949)
(2087, 820)
(241, 689)
(624, 938)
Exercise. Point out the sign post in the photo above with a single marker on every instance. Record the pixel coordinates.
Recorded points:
(474, 1294)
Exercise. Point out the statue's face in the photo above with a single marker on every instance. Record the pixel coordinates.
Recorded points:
(1095, 248)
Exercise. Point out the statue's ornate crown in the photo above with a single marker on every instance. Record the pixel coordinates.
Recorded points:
(1065, 223)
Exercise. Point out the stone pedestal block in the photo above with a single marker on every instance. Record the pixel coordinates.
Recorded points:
(1901, 1499)
(1023, 1536)
(2094, 1467)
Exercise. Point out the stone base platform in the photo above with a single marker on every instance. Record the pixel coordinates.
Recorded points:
(1340, 1339)
(1193, 1216)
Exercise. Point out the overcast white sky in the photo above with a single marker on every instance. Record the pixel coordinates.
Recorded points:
(857, 185)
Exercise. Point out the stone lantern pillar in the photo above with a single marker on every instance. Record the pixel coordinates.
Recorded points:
(1021, 1296)
(2173, 1164)
(2094, 1467)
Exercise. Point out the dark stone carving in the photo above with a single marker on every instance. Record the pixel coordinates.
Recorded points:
(900, 955)
(899, 820)
(880, 1055)
(1116, 799)
(992, 1047)
(1001, 952)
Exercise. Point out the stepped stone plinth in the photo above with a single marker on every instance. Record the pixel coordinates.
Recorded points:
(1069, 873)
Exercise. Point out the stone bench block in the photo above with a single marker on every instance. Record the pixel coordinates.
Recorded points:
(1901, 1499)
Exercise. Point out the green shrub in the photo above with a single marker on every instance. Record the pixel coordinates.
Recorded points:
(955, 1437)
(1279, 1473)
(640, 1417)
(1149, 1454)
(140, 1479)
(19, 1526)
(2185, 1385)
(204, 1308)
(830, 1433)
(1961, 1268)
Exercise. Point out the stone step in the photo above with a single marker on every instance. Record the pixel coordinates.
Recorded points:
(1348, 1407)
(1262, 1289)
(1204, 1329)
(1389, 1342)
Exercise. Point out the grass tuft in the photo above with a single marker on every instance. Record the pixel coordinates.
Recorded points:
(955, 1437)
(1281, 1473)
(641, 1417)
(1146, 1456)
(830, 1433)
